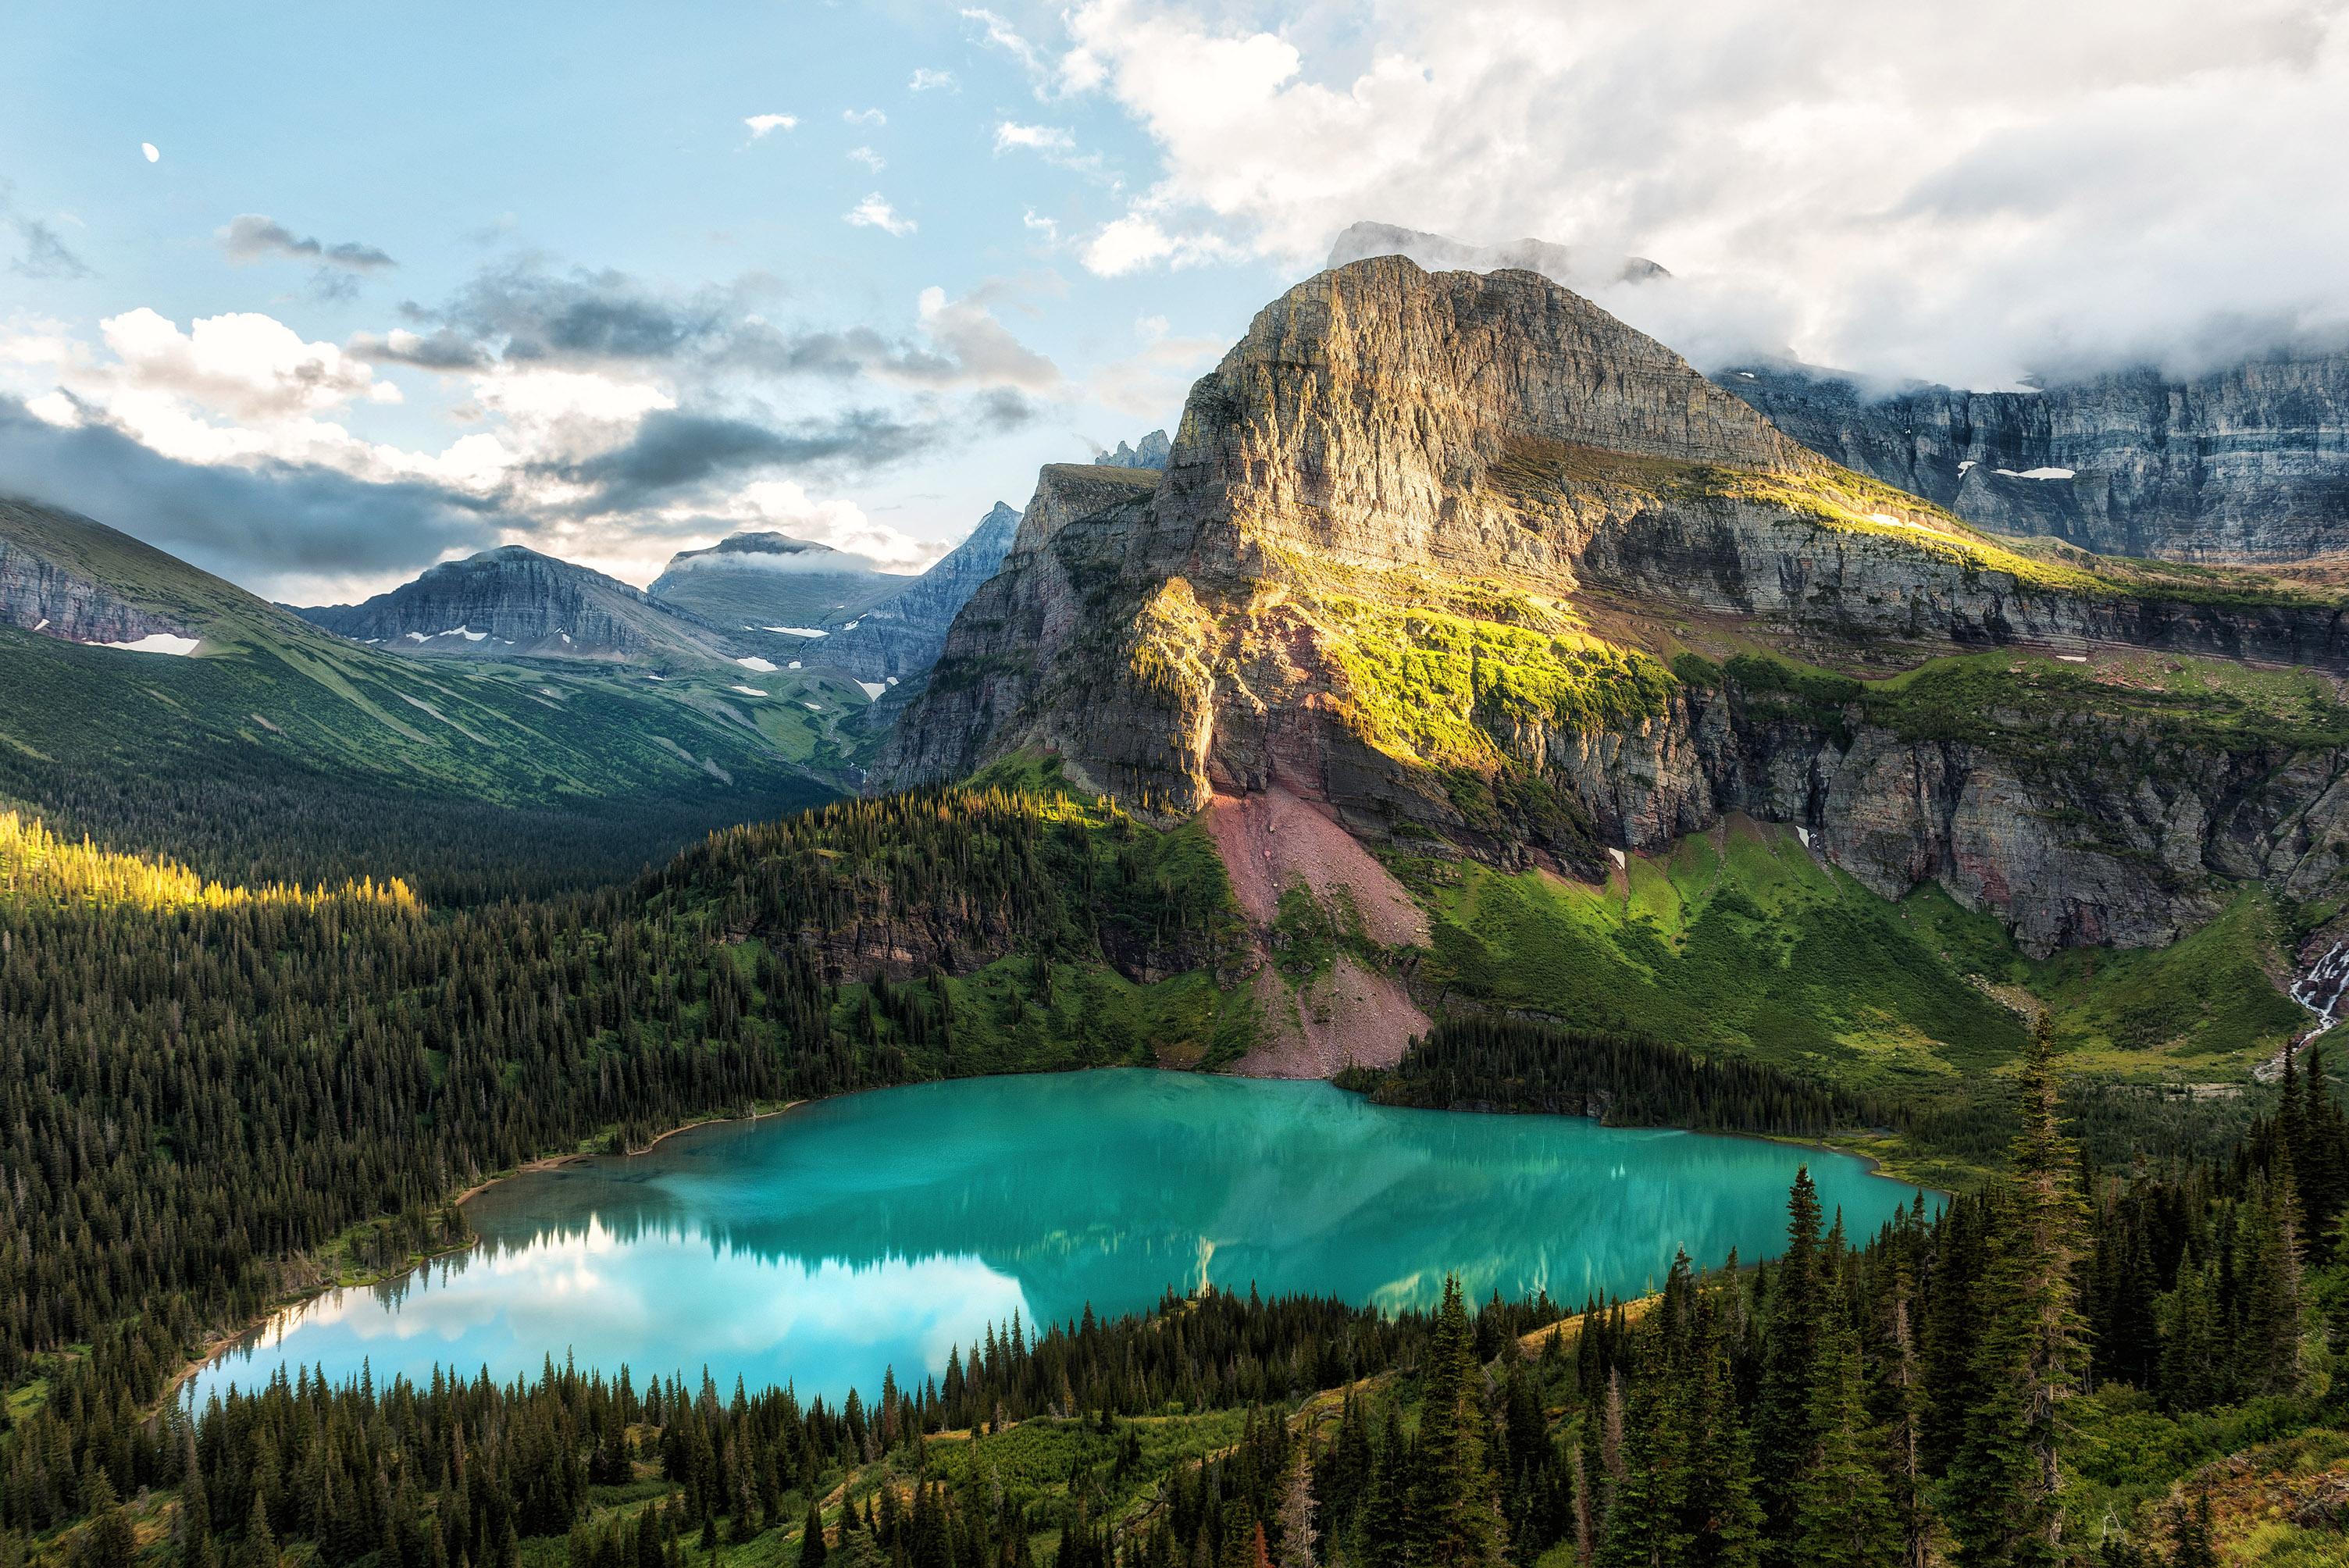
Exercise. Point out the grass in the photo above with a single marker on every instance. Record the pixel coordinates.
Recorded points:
(1738, 940)
(1741, 940)
(325, 761)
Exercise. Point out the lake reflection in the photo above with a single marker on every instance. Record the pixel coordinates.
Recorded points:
(884, 1229)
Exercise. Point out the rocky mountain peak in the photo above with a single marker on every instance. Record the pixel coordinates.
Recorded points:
(1441, 253)
(513, 601)
(1371, 412)
(1150, 454)
(1430, 552)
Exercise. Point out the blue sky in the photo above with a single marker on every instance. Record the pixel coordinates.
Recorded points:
(404, 282)
(557, 142)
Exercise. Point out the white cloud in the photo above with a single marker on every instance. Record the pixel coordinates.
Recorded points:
(1010, 136)
(1125, 244)
(867, 157)
(874, 213)
(1861, 183)
(243, 364)
(785, 506)
(927, 80)
(1003, 36)
(866, 116)
(762, 124)
(1138, 240)
(1151, 382)
(981, 348)
(1048, 227)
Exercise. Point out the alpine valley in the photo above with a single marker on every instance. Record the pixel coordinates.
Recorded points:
(1471, 704)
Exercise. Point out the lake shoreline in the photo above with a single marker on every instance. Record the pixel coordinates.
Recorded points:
(225, 1340)
(288, 1309)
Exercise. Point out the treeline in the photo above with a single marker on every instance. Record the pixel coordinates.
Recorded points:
(1893, 1400)
(949, 878)
(244, 816)
(200, 1090)
(1496, 1062)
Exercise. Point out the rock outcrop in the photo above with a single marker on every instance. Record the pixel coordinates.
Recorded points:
(2245, 464)
(61, 575)
(1150, 454)
(1425, 543)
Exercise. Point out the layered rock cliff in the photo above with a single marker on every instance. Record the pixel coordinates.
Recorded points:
(2246, 464)
(1437, 550)
(63, 576)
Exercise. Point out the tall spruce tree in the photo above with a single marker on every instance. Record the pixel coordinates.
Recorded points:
(1781, 1416)
(2002, 1486)
(1456, 1506)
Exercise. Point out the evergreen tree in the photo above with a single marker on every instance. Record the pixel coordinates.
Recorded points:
(811, 1549)
(2190, 1528)
(2004, 1484)
(1782, 1422)
(1842, 1516)
(1455, 1510)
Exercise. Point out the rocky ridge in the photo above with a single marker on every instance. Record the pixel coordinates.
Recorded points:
(1150, 454)
(513, 602)
(2249, 463)
(900, 636)
(1425, 550)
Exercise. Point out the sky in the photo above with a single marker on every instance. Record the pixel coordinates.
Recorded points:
(318, 296)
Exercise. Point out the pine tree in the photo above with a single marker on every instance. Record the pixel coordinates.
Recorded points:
(106, 1541)
(2191, 1529)
(2004, 1484)
(1455, 1510)
(259, 1547)
(812, 1550)
(1782, 1423)
(196, 1524)
(1842, 1516)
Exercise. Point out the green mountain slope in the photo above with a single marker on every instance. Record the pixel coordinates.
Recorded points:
(276, 750)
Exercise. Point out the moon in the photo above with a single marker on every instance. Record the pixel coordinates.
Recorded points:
(149, 148)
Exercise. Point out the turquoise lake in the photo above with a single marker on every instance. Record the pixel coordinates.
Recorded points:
(881, 1230)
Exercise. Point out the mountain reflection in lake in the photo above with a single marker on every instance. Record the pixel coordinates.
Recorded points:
(885, 1229)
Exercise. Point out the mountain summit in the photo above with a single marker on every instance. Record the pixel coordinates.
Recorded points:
(1463, 559)
(763, 581)
(513, 602)
(1563, 264)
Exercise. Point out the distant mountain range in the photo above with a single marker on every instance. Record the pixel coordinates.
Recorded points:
(763, 602)
(899, 638)
(514, 603)
(160, 708)
(771, 579)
